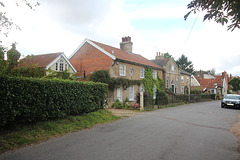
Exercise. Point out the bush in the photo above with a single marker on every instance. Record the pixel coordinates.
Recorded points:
(127, 103)
(161, 98)
(28, 71)
(27, 100)
(117, 104)
(135, 106)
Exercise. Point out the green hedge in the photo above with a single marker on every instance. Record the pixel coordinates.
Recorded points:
(25, 100)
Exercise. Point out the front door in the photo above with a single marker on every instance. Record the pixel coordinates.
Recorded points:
(173, 88)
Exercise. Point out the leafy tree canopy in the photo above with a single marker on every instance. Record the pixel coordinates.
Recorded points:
(12, 57)
(185, 64)
(167, 55)
(235, 83)
(6, 23)
(221, 11)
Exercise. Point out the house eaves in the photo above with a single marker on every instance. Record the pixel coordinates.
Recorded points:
(139, 64)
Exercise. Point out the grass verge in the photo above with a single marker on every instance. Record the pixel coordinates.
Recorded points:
(29, 134)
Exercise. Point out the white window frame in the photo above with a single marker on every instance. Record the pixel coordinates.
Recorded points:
(182, 89)
(66, 66)
(177, 91)
(172, 67)
(167, 82)
(154, 74)
(142, 70)
(182, 79)
(131, 72)
(155, 92)
(122, 70)
(119, 93)
(187, 80)
(61, 65)
(131, 93)
(213, 91)
(56, 66)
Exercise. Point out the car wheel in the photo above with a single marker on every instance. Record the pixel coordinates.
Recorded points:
(222, 106)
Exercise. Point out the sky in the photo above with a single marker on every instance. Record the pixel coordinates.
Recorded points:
(153, 25)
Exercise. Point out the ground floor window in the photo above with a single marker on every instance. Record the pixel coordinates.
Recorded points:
(131, 93)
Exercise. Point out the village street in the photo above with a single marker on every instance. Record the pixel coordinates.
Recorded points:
(194, 131)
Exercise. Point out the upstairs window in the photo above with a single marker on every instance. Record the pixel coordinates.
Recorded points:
(56, 66)
(155, 74)
(122, 70)
(142, 72)
(182, 79)
(61, 65)
(187, 80)
(66, 66)
(131, 72)
(172, 67)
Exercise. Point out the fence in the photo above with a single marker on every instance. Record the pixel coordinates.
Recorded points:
(165, 98)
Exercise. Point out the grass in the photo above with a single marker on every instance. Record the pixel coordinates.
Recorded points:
(20, 136)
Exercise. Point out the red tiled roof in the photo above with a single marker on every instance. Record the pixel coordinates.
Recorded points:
(40, 60)
(211, 83)
(123, 55)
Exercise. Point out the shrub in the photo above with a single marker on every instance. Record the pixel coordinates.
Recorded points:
(27, 100)
(161, 98)
(117, 104)
(127, 103)
(28, 71)
(135, 106)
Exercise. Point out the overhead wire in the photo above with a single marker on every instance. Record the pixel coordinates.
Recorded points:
(190, 32)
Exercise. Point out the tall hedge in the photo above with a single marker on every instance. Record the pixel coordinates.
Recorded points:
(25, 100)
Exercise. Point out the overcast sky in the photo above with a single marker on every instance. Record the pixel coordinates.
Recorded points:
(153, 25)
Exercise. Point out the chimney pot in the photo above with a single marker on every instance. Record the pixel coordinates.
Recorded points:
(126, 44)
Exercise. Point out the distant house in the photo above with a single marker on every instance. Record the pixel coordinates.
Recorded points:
(212, 84)
(176, 80)
(91, 56)
(53, 61)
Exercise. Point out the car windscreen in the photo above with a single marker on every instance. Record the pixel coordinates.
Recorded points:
(232, 97)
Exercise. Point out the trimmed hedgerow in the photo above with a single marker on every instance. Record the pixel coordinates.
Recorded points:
(24, 100)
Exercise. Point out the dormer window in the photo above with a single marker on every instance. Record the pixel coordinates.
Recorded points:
(61, 65)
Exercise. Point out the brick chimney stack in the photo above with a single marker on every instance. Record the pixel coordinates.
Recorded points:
(126, 44)
(159, 55)
(201, 74)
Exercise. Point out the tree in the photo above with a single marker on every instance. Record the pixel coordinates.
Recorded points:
(185, 64)
(221, 11)
(12, 57)
(3, 64)
(167, 55)
(6, 23)
(235, 83)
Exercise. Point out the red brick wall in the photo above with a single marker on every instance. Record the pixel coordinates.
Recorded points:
(90, 59)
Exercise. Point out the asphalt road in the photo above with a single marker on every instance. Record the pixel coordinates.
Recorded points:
(198, 131)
